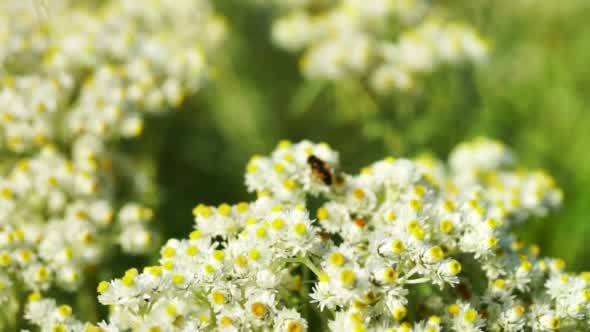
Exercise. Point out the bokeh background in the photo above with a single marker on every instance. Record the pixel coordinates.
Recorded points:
(533, 94)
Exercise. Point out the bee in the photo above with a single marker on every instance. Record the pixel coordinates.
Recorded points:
(320, 169)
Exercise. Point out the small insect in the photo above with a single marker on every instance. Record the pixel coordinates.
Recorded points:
(320, 169)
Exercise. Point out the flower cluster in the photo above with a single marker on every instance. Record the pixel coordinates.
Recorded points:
(76, 77)
(405, 245)
(387, 42)
(119, 60)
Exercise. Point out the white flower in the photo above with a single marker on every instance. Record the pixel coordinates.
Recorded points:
(382, 238)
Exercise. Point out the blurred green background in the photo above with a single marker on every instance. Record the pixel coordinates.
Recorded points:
(533, 94)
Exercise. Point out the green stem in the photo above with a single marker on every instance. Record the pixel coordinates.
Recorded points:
(310, 265)
(304, 292)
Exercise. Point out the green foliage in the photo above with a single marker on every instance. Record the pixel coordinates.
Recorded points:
(532, 94)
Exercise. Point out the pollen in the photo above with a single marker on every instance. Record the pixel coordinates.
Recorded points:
(455, 267)
(322, 214)
(191, 250)
(336, 259)
(34, 297)
(500, 283)
(254, 254)
(195, 235)
(492, 241)
(453, 309)
(279, 168)
(559, 264)
(41, 274)
(348, 278)
(242, 207)
(554, 323)
(449, 206)
(366, 170)
(102, 287)
(225, 321)
(389, 275)
(258, 309)
(446, 226)
(129, 277)
(155, 271)
(171, 310)
(391, 216)
(415, 204)
(470, 316)
(526, 265)
(278, 223)
(58, 328)
(6, 193)
(252, 166)
(518, 310)
(300, 228)
(288, 157)
(202, 211)
(218, 255)
(534, 250)
(168, 265)
(261, 232)
(397, 246)
(358, 193)
(241, 261)
(64, 310)
(290, 184)
(419, 190)
(436, 253)
(168, 252)
(208, 268)
(224, 209)
(493, 223)
(5, 259)
(294, 326)
(398, 313)
(217, 297)
(283, 144)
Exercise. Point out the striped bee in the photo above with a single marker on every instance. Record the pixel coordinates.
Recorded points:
(320, 169)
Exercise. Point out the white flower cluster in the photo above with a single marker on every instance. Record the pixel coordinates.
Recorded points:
(406, 245)
(76, 76)
(116, 61)
(387, 42)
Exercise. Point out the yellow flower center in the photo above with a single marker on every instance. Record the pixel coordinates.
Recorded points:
(399, 312)
(470, 315)
(217, 297)
(258, 309)
(348, 278)
(336, 259)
